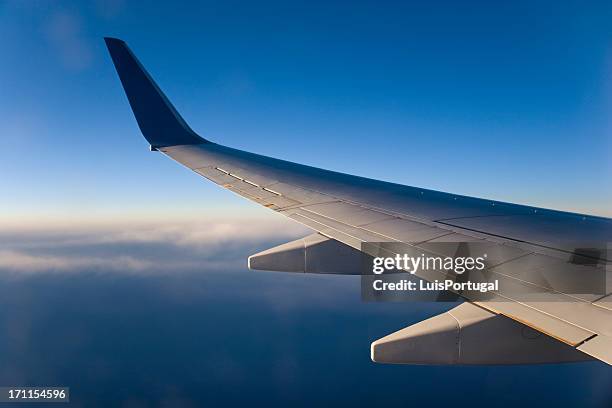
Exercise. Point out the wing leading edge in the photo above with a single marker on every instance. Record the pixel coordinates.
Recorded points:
(355, 210)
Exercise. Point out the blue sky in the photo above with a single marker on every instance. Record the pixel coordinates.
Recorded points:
(511, 102)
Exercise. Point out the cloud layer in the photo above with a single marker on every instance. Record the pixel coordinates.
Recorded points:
(140, 248)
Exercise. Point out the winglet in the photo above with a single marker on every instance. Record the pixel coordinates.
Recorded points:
(158, 120)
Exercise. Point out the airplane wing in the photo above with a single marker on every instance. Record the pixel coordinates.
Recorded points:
(345, 212)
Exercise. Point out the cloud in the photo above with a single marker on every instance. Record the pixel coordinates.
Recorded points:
(140, 248)
(212, 253)
(25, 262)
(177, 231)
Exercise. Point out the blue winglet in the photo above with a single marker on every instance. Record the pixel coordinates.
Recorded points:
(158, 120)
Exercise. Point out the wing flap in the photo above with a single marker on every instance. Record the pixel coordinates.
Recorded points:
(599, 347)
(349, 214)
(334, 228)
(403, 230)
(542, 322)
(605, 302)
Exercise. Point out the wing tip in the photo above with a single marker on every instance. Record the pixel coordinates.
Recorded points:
(159, 121)
(113, 40)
